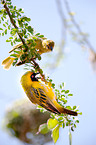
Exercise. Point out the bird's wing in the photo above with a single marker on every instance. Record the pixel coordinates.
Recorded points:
(16, 47)
(38, 96)
(46, 102)
(33, 95)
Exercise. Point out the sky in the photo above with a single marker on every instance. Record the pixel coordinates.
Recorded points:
(75, 69)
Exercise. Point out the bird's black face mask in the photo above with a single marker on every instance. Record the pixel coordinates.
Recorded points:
(33, 77)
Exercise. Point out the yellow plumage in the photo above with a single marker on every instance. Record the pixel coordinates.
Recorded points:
(42, 94)
(42, 46)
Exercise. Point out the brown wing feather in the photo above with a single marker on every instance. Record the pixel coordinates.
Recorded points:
(39, 97)
(47, 103)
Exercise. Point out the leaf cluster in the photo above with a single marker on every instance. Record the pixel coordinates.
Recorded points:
(23, 28)
(60, 120)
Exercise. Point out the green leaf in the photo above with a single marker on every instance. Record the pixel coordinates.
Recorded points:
(2, 18)
(53, 85)
(50, 80)
(74, 107)
(18, 40)
(72, 129)
(38, 56)
(77, 121)
(67, 91)
(41, 36)
(55, 134)
(35, 38)
(60, 86)
(43, 128)
(63, 125)
(70, 94)
(75, 125)
(57, 90)
(67, 123)
(60, 118)
(1, 29)
(62, 91)
(9, 27)
(63, 100)
(10, 6)
(30, 29)
(8, 40)
(15, 61)
(23, 56)
(69, 107)
(1, 12)
(41, 71)
(10, 37)
(4, 25)
(14, 55)
(80, 113)
(5, 31)
(18, 52)
(37, 34)
(26, 19)
(63, 84)
(2, 34)
(20, 10)
(11, 43)
(62, 96)
(52, 123)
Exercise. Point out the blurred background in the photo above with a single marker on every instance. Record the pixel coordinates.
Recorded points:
(71, 25)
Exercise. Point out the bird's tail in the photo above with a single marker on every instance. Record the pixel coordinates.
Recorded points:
(16, 47)
(7, 62)
(64, 110)
(69, 112)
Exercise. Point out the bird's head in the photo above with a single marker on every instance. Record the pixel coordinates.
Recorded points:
(28, 78)
(33, 76)
(48, 44)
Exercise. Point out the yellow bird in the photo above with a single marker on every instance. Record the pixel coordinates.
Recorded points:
(42, 46)
(41, 94)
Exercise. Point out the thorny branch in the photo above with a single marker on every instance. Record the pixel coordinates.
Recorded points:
(36, 65)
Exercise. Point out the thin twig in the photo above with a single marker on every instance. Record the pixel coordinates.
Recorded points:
(59, 56)
(63, 18)
(77, 26)
(23, 41)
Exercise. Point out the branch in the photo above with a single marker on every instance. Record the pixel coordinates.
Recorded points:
(23, 41)
(77, 26)
(13, 22)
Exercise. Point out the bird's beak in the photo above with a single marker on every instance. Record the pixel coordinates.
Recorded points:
(51, 48)
(36, 73)
(37, 76)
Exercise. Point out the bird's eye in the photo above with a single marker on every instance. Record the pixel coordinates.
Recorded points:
(33, 77)
(47, 46)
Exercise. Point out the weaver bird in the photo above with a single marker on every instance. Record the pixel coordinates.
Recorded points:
(41, 94)
(41, 45)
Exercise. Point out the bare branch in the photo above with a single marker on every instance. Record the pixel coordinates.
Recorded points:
(77, 26)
